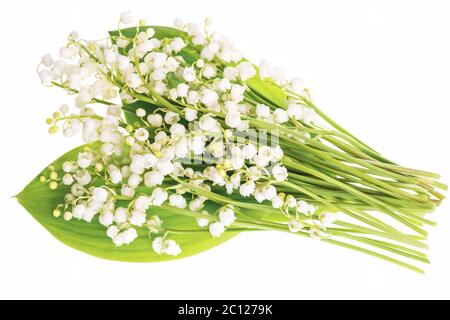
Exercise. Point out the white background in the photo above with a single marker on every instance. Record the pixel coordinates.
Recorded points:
(381, 68)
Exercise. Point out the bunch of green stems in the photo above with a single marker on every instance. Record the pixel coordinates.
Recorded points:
(336, 172)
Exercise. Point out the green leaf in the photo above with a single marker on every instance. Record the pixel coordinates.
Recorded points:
(161, 32)
(129, 110)
(267, 90)
(190, 53)
(173, 80)
(91, 238)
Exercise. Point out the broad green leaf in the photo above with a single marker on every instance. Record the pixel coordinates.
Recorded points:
(173, 80)
(129, 110)
(90, 238)
(267, 90)
(160, 32)
(189, 53)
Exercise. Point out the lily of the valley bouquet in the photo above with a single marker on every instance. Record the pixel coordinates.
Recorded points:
(188, 143)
